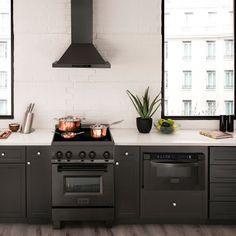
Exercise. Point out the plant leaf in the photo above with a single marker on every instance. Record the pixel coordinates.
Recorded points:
(136, 103)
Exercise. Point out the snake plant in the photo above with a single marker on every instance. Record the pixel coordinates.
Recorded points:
(143, 106)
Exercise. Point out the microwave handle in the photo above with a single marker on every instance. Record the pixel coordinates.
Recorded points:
(173, 164)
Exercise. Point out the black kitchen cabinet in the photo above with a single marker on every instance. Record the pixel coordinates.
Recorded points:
(38, 184)
(127, 183)
(12, 183)
(222, 183)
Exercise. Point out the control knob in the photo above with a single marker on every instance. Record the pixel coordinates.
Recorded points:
(92, 155)
(59, 155)
(82, 155)
(68, 155)
(106, 155)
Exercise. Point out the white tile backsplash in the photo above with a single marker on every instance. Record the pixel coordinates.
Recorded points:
(127, 34)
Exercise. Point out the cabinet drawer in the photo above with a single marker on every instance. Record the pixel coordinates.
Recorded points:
(38, 151)
(223, 173)
(172, 205)
(126, 152)
(223, 155)
(12, 154)
(223, 192)
(223, 210)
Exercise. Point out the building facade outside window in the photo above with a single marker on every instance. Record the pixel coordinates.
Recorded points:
(211, 80)
(200, 36)
(6, 59)
(211, 50)
(229, 108)
(187, 107)
(211, 107)
(187, 80)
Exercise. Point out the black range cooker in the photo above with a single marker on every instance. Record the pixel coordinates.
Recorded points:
(82, 178)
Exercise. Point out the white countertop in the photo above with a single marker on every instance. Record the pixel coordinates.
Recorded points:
(38, 137)
(180, 137)
(126, 137)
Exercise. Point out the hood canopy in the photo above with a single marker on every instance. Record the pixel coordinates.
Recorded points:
(81, 53)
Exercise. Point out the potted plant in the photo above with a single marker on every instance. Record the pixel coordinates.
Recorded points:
(145, 109)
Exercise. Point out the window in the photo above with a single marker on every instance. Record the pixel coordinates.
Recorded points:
(4, 19)
(6, 59)
(229, 110)
(187, 80)
(229, 80)
(188, 18)
(187, 107)
(229, 49)
(211, 18)
(211, 80)
(187, 47)
(166, 106)
(166, 79)
(3, 79)
(211, 50)
(3, 106)
(3, 49)
(200, 60)
(211, 107)
(166, 50)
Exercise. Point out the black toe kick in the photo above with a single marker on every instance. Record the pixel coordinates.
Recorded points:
(82, 214)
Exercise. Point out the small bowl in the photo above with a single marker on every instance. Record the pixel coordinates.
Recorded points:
(167, 130)
(14, 127)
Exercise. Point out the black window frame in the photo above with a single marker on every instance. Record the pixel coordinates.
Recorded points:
(11, 116)
(163, 74)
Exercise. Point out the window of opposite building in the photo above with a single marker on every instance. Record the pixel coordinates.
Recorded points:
(6, 59)
(200, 64)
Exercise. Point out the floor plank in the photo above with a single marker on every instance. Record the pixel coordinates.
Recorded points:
(97, 229)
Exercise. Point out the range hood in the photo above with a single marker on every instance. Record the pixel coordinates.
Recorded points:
(81, 53)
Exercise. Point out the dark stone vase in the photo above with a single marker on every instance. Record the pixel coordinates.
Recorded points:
(144, 125)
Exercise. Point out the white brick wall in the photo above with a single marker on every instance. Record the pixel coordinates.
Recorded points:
(126, 32)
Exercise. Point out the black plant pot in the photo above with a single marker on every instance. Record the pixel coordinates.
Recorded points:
(144, 125)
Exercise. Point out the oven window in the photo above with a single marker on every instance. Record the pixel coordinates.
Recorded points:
(175, 172)
(81, 184)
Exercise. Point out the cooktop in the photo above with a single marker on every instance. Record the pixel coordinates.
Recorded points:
(85, 137)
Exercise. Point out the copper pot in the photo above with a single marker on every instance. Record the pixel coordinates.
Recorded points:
(98, 131)
(69, 123)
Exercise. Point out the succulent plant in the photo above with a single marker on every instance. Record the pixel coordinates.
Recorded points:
(143, 106)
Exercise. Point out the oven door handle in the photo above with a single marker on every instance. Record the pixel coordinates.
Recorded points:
(175, 164)
(62, 168)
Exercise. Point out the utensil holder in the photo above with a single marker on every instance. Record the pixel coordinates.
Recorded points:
(26, 127)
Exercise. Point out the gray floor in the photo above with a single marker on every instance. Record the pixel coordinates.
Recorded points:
(119, 230)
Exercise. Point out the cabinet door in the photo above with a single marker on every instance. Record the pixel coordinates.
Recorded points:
(127, 182)
(38, 183)
(12, 185)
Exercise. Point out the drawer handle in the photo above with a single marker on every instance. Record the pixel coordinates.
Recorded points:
(126, 154)
(174, 204)
(38, 153)
(28, 163)
(117, 163)
(3, 154)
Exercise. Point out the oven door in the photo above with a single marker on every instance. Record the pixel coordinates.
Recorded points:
(174, 175)
(82, 185)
